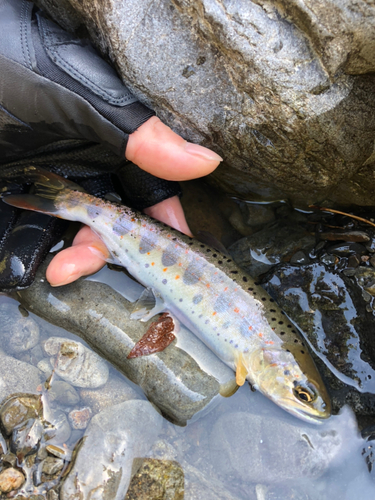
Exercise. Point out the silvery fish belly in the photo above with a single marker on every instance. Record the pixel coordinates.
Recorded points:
(203, 289)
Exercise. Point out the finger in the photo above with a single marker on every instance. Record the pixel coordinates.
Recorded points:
(171, 212)
(86, 256)
(154, 147)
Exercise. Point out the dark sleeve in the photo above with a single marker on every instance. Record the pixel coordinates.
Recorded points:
(58, 87)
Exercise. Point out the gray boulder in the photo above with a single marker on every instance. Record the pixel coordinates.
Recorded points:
(284, 92)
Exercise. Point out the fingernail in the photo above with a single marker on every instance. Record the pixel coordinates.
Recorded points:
(201, 151)
(69, 270)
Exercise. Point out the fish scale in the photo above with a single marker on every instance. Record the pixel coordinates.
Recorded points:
(204, 289)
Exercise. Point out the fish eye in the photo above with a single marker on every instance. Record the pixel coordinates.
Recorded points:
(304, 393)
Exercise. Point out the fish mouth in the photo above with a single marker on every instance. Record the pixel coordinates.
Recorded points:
(308, 416)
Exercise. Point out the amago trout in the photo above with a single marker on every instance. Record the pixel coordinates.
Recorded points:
(203, 289)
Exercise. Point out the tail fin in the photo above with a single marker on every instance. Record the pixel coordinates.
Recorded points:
(47, 186)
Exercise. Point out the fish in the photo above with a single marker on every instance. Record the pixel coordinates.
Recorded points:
(199, 287)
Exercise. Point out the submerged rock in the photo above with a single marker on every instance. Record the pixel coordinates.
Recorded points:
(18, 333)
(328, 308)
(171, 379)
(157, 480)
(275, 243)
(258, 449)
(115, 391)
(17, 376)
(75, 363)
(114, 438)
(11, 479)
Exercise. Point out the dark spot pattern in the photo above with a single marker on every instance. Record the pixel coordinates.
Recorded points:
(170, 255)
(197, 298)
(222, 303)
(192, 274)
(164, 281)
(122, 226)
(148, 243)
(93, 211)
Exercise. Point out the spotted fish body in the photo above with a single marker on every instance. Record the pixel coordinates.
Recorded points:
(208, 293)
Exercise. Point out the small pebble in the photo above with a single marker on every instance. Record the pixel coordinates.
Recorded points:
(11, 479)
(299, 258)
(52, 465)
(79, 419)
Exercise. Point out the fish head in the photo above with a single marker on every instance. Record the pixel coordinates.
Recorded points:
(288, 376)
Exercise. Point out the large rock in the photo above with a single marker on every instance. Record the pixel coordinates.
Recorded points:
(284, 92)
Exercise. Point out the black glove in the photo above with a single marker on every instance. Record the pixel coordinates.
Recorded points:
(64, 108)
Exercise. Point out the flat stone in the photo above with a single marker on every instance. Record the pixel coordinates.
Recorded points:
(276, 450)
(114, 438)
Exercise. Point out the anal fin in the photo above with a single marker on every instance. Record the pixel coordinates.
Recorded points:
(241, 371)
(158, 336)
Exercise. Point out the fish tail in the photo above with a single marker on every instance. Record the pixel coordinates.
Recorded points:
(47, 188)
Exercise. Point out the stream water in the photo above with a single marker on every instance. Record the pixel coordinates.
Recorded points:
(242, 447)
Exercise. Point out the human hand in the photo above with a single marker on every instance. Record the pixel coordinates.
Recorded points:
(157, 149)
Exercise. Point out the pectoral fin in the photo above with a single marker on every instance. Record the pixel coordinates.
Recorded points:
(158, 336)
(148, 305)
(241, 371)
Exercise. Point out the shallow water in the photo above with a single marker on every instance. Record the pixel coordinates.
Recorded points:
(245, 447)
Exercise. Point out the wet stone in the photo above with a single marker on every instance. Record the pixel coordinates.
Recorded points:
(19, 409)
(59, 430)
(75, 363)
(17, 377)
(52, 465)
(18, 333)
(156, 479)
(11, 479)
(80, 418)
(115, 391)
(300, 258)
(63, 393)
(274, 450)
(352, 236)
(346, 249)
(277, 242)
(25, 438)
(114, 437)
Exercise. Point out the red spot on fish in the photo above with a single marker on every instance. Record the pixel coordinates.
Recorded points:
(213, 314)
(208, 285)
(143, 225)
(148, 253)
(180, 264)
(236, 310)
(156, 339)
(250, 327)
(133, 220)
(260, 335)
(177, 277)
(225, 289)
(165, 269)
(152, 263)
